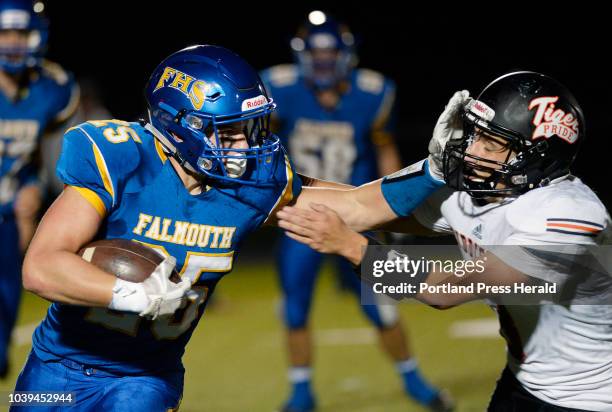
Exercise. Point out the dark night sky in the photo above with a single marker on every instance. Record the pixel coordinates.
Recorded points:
(430, 53)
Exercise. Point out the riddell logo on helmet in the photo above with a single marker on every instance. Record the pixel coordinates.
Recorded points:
(550, 121)
(482, 110)
(254, 103)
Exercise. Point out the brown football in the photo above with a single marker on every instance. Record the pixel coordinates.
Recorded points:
(126, 259)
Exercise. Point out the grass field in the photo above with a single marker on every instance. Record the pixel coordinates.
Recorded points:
(236, 359)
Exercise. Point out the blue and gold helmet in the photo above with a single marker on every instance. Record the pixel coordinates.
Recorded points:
(26, 17)
(199, 90)
(324, 50)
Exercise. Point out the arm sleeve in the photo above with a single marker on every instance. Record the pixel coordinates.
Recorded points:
(406, 189)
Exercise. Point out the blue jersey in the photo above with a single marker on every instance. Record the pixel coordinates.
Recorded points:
(124, 173)
(338, 145)
(48, 98)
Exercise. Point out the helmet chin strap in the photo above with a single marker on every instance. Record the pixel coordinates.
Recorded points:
(168, 146)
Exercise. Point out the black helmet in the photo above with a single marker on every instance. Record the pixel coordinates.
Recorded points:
(542, 124)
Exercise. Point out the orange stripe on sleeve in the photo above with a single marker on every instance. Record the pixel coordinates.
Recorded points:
(569, 226)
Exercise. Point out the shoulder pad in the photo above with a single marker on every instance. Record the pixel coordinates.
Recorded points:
(370, 81)
(62, 93)
(282, 75)
(116, 139)
(104, 156)
(55, 72)
(565, 212)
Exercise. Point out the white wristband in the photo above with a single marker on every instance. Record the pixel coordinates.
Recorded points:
(128, 297)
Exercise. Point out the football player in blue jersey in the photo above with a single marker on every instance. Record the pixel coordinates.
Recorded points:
(338, 125)
(196, 178)
(191, 182)
(35, 97)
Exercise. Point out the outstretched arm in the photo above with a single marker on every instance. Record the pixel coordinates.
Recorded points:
(376, 203)
(363, 208)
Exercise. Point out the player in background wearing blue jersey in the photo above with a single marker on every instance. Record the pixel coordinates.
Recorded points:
(36, 96)
(338, 125)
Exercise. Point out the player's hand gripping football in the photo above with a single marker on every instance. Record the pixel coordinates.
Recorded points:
(448, 127)
(156, 296)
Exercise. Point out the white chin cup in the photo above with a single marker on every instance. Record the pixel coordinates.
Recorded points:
(236, 166)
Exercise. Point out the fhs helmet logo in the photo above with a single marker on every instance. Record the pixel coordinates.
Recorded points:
(198, 91)
(550, 121)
